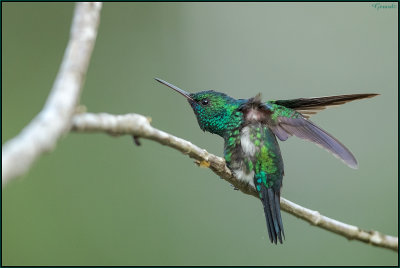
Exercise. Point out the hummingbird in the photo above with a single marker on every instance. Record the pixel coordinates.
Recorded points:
(250, 129)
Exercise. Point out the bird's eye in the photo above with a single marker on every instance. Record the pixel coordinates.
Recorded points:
(205, 102)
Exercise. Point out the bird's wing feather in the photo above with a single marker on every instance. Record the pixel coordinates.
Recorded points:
(286, 122)
(310, 106)
(305, 129)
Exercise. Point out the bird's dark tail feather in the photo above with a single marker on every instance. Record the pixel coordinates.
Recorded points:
(272, 210)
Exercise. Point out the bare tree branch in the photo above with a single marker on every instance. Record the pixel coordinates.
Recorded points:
(53, 121)
(139, 126)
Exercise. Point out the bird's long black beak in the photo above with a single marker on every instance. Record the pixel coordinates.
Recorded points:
(177, 89)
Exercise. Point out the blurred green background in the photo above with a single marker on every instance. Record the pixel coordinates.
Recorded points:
(99, 200)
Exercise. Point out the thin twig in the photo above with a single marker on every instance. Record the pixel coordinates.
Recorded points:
(54, 120)
(139, 126)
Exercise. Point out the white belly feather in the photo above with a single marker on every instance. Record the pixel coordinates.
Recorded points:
(248, 147)
(249, 150)
(241, 175)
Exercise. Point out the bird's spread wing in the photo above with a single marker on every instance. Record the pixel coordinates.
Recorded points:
(285, 122)
(310, 106)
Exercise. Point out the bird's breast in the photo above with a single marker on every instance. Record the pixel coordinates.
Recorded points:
(247, 142)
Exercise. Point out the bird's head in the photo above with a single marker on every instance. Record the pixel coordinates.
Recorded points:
(215, 112)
